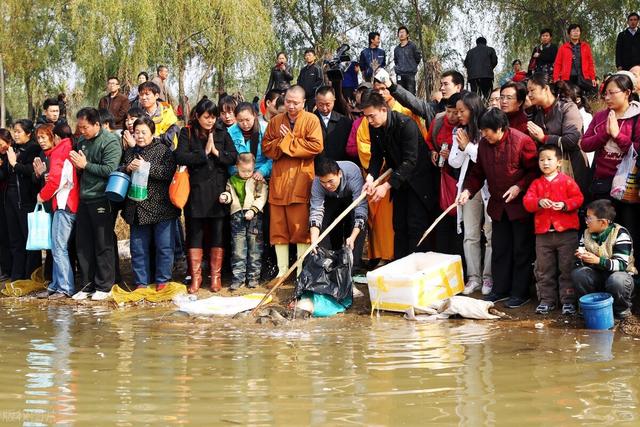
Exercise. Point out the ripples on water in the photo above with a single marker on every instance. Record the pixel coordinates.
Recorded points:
(75, 365)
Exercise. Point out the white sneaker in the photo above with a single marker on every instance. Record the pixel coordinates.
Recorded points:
(99, 296)
(487, 285)
(82, 295)
(471, 287)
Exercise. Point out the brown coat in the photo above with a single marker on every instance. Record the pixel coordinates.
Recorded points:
(118, 106)
(292, 155)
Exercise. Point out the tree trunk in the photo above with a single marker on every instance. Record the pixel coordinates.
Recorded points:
(220, 79)
(181, 72)
(31, 111)
(202, 81)
(423, 49)
(3, 110)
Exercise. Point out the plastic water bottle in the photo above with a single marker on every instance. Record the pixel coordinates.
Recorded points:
(444, 147)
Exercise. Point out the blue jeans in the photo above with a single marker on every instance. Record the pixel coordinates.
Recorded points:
(62, 279)
(246, 246)
(140, 235)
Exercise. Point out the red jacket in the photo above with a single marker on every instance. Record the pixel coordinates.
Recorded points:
(511, 161)
(57, 155)
(518, 120)
(562, 188)
(564, 59)
(445, 134)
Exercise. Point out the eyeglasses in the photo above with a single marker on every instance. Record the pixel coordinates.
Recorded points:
(494, 99)
(612, 92)
(590, 219)
(507, 97)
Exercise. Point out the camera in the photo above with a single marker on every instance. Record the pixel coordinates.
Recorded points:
(337, 65)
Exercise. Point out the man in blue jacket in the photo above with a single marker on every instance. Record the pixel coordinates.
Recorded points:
(372, 57)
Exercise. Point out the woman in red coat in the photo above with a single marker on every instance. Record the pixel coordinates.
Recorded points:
(62, 189)
(507, 160)
(574, 62)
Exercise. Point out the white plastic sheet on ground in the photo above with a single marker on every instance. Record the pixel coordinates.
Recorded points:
(469, 308)
(217, 305)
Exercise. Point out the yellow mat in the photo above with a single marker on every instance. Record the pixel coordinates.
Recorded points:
(150, 294)
(21, 288)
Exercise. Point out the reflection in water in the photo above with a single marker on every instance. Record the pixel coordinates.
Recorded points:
(77, 364)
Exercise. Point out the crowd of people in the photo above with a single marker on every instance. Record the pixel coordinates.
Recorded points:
(533, 175)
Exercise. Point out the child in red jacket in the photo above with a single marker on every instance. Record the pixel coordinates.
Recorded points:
(554, 198)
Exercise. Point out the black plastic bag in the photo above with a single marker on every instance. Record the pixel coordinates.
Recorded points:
(327, 272)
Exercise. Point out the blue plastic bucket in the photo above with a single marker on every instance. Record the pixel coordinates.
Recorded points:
(117, 186)
(597, 310)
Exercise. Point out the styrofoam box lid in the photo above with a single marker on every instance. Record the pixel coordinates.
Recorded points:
(416, 264)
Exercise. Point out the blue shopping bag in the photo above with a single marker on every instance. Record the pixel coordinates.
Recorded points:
(39, 222)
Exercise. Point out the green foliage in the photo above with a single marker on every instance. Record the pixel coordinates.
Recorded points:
(521, 20)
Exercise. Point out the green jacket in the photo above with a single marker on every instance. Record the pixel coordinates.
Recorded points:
(103, 154)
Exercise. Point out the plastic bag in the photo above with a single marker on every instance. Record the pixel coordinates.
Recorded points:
(139, 179)
(625, 168)
(39, 223)
(327, 272)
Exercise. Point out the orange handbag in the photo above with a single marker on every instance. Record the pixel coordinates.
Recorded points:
(179, 187)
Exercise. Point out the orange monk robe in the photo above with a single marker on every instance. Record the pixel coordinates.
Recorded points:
(380, 213)
(292, 175)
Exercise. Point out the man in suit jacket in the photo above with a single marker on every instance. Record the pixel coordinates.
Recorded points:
(335, 126)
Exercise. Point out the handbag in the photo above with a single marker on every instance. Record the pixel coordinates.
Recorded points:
(566, 167)
(179, 188)
(39, 225)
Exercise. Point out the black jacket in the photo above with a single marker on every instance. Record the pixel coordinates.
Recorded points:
(279, 79)
(480, 62)
(42, 120)
(310, 79)
(207, 174)
(334, 136)
(544, 62)
(21, 175)
(157, 207)
(628, 49)
(407, 58)
(402, 147)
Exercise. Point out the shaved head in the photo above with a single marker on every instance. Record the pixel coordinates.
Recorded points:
(296, 91)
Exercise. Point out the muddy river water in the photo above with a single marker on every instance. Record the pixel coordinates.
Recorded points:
(71, 365)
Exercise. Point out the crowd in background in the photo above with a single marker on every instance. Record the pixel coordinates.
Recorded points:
(533, 172)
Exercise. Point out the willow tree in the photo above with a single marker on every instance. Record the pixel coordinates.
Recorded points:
(218, 33)
(520, 22)
(30, 42)
(116, 38)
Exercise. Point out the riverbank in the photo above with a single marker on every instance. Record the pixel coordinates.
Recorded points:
(523, 317)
